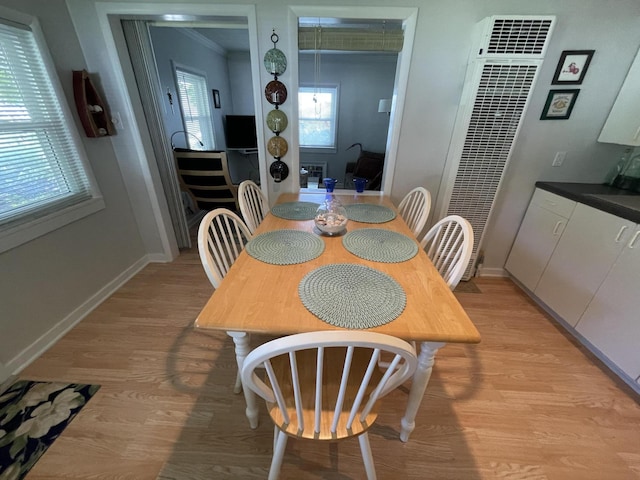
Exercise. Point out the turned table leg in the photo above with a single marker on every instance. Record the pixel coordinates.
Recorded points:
(241, 340)
(421, 377)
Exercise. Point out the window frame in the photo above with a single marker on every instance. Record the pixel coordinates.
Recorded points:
(316, 148)
(33, 225)
(190, 137)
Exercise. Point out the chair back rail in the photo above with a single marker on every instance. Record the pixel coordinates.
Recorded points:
(325, 385)
(222, 236)
(204, 175)
(253, 204)
(448, 244)
(414, 209)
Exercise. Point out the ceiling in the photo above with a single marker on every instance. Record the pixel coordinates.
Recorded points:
(230, 39)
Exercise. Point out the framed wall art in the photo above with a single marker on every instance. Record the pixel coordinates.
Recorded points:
(559, 104)
(572, 67)
(216, 98)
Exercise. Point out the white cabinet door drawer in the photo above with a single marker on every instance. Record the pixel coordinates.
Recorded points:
(589, 246)
(536, 240)
(554, 203)
(612, 319)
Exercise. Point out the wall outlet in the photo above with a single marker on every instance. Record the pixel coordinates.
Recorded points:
(560, 156)
(116, 119)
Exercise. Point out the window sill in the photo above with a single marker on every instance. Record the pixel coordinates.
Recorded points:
(13, 237)
(330, 150)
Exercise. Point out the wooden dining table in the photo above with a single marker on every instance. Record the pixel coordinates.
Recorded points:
(259, 297)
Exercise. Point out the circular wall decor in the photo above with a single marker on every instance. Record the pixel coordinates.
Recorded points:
(275, 92)
(279, 170)
(275, 62)
(277, 121)
(277, 147)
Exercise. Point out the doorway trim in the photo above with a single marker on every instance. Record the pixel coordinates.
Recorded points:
(133, 148)
(409, 16)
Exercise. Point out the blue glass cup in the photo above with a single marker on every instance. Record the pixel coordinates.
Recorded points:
(360, 184)
(330, 184)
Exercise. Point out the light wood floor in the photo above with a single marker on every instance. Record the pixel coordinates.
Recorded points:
(526, 403)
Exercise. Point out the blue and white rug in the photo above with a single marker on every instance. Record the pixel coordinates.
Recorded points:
(32, 416)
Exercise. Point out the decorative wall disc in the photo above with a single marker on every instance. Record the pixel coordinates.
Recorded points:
(275, 92)
(277, 121)
(275, 62)
(277, 147)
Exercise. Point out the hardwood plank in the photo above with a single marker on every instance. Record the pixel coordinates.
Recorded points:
(528, 402)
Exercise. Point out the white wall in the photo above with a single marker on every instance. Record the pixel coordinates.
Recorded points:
(50, 282)
(240, 80)
(230, 74)
(44, 281)
(172, 47)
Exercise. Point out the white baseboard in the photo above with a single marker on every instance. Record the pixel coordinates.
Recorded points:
(157, 258)
(492, 272)
(46, 341)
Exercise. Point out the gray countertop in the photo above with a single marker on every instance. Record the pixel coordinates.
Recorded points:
(616, 201)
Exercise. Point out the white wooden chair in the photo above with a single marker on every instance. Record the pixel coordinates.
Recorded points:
(324, 385)
(253, 204)
(448, 244)
(222, 235)
(414, 209)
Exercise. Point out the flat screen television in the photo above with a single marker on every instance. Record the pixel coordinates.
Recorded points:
(240, 131)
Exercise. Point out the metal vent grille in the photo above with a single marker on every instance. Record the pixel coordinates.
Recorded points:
(498, 107)
(518, 36)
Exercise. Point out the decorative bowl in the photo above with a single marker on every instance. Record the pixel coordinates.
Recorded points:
(331, 218)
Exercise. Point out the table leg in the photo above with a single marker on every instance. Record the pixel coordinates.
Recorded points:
(241, 340)
(421, 377)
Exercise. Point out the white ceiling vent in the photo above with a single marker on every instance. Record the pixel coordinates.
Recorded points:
(515, 37)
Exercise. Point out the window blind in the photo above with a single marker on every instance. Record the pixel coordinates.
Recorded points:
(350, 39)
(40, 168)
(196, 110)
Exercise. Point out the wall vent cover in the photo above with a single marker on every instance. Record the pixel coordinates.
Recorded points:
(516, 37)
(497, 91)
(499, 105)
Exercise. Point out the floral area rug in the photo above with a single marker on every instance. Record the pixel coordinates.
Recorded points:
(32, 416)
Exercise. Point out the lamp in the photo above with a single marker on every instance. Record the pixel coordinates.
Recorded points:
(384, 106)
(185, 138)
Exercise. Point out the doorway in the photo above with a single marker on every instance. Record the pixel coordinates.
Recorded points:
(372, 80)
(191, 78)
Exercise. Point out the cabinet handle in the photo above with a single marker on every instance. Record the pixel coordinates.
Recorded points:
(620, 232)
(555, 229)
(634, 238)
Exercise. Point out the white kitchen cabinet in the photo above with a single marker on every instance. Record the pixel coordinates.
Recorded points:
(623, 124)
(611, 322)
(538, 236)
(588, 248)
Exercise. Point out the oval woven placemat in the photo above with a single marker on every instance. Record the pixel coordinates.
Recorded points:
(352, 296)
(285, 247)
(368, 213)
(380, 245)
(295, 210)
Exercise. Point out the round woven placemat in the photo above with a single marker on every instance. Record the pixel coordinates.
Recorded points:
(380, 245)
(368, 213)
(295, 210)
(352, 296)
(285, 247)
